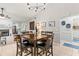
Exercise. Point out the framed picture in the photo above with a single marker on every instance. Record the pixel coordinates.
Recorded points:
(51, 23)
(43, 24)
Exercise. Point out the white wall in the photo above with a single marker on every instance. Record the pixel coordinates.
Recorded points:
(56, 11)
(46, 16)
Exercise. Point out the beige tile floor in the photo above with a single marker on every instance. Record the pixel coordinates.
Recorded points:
(10, 50)
(64, 51)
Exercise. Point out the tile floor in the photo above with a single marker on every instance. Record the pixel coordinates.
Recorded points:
(10, 50)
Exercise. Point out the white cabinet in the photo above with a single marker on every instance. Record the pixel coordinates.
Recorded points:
(71, 34)
(66, 30)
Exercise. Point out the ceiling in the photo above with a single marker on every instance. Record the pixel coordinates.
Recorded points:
(16, 11)
(60, 10)
(19, 13)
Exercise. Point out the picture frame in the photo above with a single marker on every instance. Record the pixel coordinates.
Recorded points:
(43, 24)
(51, 23)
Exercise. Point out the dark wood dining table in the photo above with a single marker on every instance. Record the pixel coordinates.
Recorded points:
(34, 40)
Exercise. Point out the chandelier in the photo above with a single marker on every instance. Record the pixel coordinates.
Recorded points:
(2, 15)
(36, 7)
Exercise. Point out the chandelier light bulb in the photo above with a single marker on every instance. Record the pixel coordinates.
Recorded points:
(28, 4)
(36, 7)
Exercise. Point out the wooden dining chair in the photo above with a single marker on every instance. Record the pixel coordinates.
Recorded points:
(41, 46)
(24, 46)
(17, 38)
(45, 45)
(50, 44)
(28, 47)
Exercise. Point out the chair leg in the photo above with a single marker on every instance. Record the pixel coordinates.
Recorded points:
(52, 51)
(46, 51)
(31, 51)
(17, 51)
(21, 50)
(37, 51)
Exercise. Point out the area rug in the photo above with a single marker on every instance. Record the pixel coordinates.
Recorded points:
(71, 45)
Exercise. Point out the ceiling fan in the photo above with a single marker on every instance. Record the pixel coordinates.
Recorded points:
(2, 15)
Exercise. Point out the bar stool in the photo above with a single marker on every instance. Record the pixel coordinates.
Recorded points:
(41, 46)
(49, 46)
(17, 38)
(50, 36)
(28, 47)
(45, 47)
(24, 46)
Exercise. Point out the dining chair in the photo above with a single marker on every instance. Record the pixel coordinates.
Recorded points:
(24, 46)
(28, 46)
(17, 38)
(50, 44)
(45, 45)
(41, 46)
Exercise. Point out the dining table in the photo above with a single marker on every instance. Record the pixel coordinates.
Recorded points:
(34, 40)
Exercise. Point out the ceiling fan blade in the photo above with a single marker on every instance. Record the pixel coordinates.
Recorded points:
(2, 15)
(2, 10)
(8, 17)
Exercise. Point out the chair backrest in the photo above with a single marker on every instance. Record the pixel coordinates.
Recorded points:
(43, 32)
(17, 38)
(30, 34)
(50, 36)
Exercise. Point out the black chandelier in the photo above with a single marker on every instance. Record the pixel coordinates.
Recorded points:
(36, 6)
